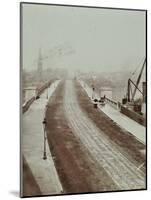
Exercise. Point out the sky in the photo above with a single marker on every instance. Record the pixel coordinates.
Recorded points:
(99, 40)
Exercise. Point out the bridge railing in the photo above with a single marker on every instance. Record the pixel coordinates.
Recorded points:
(112, 103)
(27, 104)
(133, 115)
(129, 113)
(39, 91)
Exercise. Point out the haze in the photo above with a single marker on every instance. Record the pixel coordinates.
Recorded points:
(89, 39)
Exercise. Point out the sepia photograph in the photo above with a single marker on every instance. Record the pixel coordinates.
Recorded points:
(83, 86)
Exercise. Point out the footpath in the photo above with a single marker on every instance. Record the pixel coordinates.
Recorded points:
(32, 143)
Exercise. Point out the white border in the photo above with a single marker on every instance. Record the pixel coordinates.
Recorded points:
(9, 101)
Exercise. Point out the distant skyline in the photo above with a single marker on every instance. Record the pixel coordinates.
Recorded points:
(89, 39)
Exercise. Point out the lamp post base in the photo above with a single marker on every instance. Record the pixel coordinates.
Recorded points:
(44, 156)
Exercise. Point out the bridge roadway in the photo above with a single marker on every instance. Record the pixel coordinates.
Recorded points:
(123, 172)
(120, 169)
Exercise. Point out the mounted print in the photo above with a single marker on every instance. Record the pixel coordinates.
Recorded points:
(83, 99)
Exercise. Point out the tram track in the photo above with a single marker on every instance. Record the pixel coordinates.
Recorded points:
(121, 170)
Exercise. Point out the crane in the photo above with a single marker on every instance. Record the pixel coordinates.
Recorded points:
(131, 94)
(57, 51)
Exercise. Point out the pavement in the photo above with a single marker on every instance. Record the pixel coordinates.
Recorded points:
(122, 120)
(43, 171)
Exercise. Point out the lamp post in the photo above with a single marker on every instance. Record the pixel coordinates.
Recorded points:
(47, 91)
(93, 86)
(93, 90)
(45, 138)
(100, 93)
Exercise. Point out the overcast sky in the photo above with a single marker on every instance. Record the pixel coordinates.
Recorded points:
(87, 38)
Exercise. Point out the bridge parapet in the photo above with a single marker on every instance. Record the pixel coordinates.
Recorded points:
(39, 91)
(112, 103)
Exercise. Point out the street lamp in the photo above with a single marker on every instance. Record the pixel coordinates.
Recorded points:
(47, 91)
(45, 138)
(93, 90)
(93, 86)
